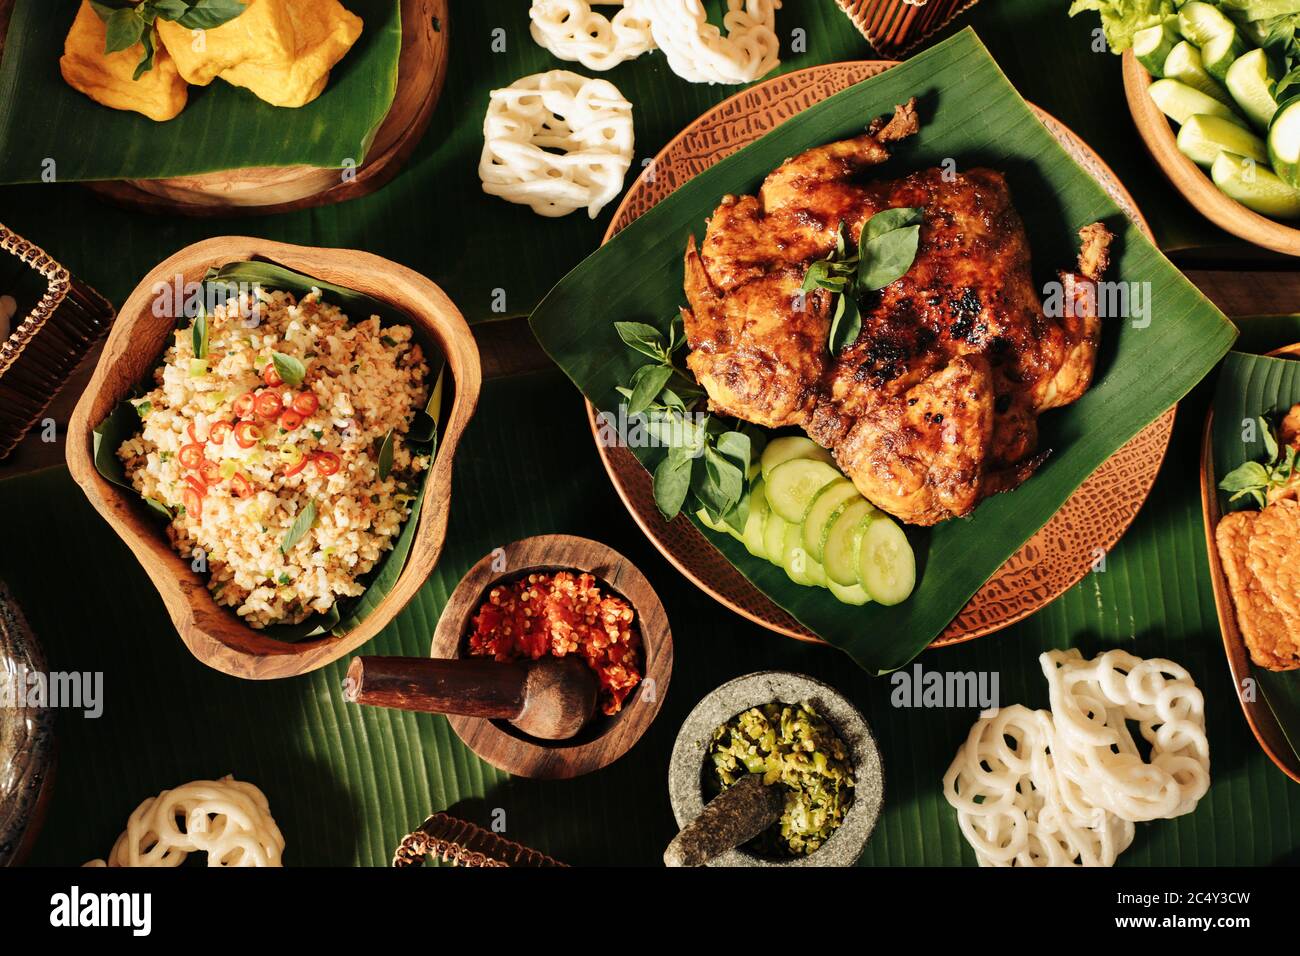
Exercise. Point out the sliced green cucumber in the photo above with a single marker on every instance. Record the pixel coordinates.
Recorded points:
(800, 566)
(838, 556)
(1180, 103)
(752, 538)
(1201, 22)
(1255, 186)
(789, 447)
(774, 538)
(1251, 82)
(1153, 45)
(712, 525)
(828, 501)
(1284, 142)
(1220, 53)
(1203, 138)
(855, 594)
(792, 485)
(1184, 65)
(886, 564)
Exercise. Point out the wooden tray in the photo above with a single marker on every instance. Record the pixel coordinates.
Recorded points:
(605, 739)
(261, 190)
(214, 634)
(1052, 561)
(1263, 723)
(1189, 179)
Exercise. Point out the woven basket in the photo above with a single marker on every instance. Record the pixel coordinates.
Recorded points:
(895, 26)
(44, 348)
(449, 840)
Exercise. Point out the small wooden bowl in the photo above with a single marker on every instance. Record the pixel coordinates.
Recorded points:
(1259, 716)
(607, 738)
(1189, 179)
(215, 634)
(426, 44)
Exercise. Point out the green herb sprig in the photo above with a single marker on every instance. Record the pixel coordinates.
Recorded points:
(1256, 479)
(128, 23)
(885, 251)
(706, 457)
(301, 525)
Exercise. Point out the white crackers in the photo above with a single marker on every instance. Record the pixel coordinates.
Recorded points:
(1071, 783)
(556, 142)
(227, 819)
(696, 49)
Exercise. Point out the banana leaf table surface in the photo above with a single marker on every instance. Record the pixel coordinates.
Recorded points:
(347, 783)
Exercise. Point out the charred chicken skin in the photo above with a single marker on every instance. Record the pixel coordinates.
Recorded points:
(934, 406)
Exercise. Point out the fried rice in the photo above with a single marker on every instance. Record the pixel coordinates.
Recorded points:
(241, 458)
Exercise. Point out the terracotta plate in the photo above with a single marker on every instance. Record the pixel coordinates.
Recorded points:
(1263, 722)
(1056, 558)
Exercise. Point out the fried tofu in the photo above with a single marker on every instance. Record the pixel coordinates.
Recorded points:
(280, 50)
(107, 78)
(1259, 551)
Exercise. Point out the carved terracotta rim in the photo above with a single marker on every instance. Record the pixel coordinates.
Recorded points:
(1259, 715)
(1063, 551)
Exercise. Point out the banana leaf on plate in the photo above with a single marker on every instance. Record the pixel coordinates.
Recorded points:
(970, 113)
(51, 132)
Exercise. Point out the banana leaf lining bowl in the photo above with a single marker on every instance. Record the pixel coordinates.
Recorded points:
(214, 634)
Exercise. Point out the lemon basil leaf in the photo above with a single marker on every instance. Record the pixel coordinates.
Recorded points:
(123, 30)
(737, 447)
(1270, 443)
(385, 462)
(641, 337)
(888, 247)
(290, 369)
(169, 9)
(301, 525)
(672, 482)
(206, 14)
(846, 325)
(647, 383)
(199, 333)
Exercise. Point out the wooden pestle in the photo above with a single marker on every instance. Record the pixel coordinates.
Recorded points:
(733, 817)
(551, 698)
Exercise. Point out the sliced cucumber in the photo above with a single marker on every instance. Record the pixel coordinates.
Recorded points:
(854, 594)
(1184, 65)
(800, 567)
(774, 538)
(1255, 186)
(1220, 53)
(792, 485)
(1153, 45)
(828, 501)
(838, 556)
(1201, 22)
(1284, 142)
(1203, 138)
(1180, 103)
(789, 447)
(886, 564)
(1251, 82)
(758, 509)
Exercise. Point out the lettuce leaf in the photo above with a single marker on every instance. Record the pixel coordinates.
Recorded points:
(1120, 19)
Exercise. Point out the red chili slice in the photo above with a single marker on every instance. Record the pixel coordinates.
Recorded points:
(193, 503)
(218, 432)
(267, 404)
(240, 485)
(243, 405)
(190, 456)
(305, 403)
(289, 420)
(193, 433)
(327, 463)
(271, 377)
(210, 471)
(197, 485)
(303, 463)
(247, 434)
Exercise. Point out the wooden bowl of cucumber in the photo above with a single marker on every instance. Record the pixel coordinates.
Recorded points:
(1236, 154)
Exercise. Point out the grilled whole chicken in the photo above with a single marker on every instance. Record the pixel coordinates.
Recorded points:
(935, 405)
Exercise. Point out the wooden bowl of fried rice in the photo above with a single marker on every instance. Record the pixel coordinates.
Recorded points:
(221, 617)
